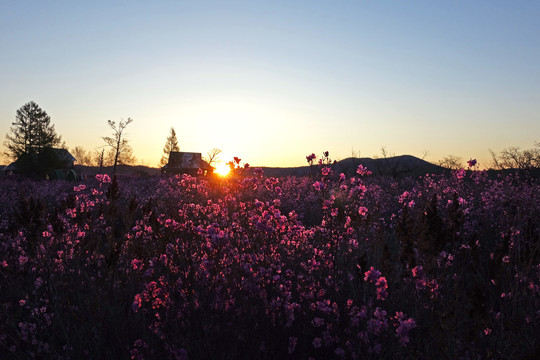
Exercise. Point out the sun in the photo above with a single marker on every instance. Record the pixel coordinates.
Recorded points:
(222, 170)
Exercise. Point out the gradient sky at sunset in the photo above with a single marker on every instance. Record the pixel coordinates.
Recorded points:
(273, 81)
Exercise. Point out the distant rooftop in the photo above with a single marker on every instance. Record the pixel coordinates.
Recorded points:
(187, 160)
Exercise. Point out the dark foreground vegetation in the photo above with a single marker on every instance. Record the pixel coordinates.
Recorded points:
(253, 267)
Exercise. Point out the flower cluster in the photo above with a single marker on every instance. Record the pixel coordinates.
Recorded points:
(341, 264)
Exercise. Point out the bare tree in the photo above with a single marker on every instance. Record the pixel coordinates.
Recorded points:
(117, 142)
(515, 158)
(389, 164)
(212, 156)
(99, 158)
(451, 162)
(385, 154)
(125, 158)
(83, 157)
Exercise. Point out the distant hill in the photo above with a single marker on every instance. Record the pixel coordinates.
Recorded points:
(397, 166)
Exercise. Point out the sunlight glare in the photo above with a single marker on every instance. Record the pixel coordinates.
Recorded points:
(222, 170)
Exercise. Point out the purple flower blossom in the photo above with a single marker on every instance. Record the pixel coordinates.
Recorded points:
(363, 211)
(318, 322)
(382, 287)
(318, 185)
(372, 275)
(137, 301)
(404, 327)
(362, 171)
(311, 158)
(292, 344)
(103, 178)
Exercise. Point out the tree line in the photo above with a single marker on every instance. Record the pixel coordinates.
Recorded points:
(32, 134)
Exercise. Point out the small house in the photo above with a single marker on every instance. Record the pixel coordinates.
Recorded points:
(51, 163)
(186, 163)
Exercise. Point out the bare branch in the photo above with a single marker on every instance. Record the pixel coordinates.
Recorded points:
(212, 156)
(122, 151)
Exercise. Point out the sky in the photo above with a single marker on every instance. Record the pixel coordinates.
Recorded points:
(274, 81)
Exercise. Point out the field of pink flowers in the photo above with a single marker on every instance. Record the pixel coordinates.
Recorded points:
(252, 267)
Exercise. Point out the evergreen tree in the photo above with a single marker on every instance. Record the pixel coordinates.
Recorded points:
(31, 132)
(170, 145)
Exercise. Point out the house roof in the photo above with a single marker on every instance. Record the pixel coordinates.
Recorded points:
(10, 167)
(61, 155)
(187, 160)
